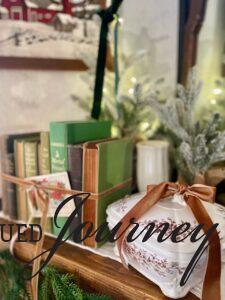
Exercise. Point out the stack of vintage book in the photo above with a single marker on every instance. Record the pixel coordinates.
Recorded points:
(84, 152)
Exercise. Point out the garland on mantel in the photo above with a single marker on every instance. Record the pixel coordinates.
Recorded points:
(53, 284)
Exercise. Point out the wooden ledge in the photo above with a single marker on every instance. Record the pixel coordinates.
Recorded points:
(95, 273)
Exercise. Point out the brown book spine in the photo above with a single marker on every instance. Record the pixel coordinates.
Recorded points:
(75, 166)
(75, 171)
(90, 169)
(90, 184)
(89, 215)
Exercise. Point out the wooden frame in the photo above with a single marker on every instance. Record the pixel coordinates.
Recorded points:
(32, 61)
(42, 64)
(192, 13)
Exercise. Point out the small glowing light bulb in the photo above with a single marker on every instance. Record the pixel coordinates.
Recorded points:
(115, 131)
(104, 90)
(144, 126)
(213, 101)
(217, 91)
(131, 91)
(133, 79)
(120, 20)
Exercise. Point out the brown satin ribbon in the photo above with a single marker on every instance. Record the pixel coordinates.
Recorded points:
(192, 195)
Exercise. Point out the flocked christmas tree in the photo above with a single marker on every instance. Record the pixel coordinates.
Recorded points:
(198, 144)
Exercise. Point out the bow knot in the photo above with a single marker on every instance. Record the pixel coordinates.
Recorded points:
(199, 191)
(182, 188)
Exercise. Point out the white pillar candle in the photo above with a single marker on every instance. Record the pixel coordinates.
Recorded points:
(152, 163)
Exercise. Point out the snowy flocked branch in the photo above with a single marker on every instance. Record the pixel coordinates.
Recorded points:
(200, 145)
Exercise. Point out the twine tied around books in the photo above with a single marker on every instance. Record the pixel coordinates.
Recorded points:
(192, 196)
(40, 197)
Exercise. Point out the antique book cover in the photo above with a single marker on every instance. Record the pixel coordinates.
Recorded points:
(107, 170)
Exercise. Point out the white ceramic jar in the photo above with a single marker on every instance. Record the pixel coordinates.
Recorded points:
(164, 263)
(152, 163)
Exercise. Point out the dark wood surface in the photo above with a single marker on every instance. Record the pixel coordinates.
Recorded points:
(24, 63)
(95, 273)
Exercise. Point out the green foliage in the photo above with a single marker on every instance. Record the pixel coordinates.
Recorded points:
(53, 285)
(12, 274)
(59, 286)
(199, 145)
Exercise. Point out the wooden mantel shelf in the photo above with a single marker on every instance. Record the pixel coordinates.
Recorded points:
(95, 273)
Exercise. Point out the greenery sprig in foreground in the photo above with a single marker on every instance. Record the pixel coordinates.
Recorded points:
(53, 285)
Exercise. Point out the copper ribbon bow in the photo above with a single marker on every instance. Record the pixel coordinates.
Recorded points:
(192, 195)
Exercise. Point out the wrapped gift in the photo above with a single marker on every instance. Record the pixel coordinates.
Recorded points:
(164, 263)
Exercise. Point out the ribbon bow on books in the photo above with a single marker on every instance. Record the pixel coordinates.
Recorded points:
(39, 195)
(192, 196)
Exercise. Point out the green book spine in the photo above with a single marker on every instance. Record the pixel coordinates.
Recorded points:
(115, 163)
(20, 172)
(31, 158)
(64, 133)
(23, 170)
(44, 159)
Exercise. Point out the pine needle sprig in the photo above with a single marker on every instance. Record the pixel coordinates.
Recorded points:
(12, 274)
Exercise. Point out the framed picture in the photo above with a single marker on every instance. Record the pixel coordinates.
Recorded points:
(48, 34)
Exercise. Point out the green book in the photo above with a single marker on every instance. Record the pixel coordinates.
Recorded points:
(107, 167)
(31, 158)
(23, 169)
(44, 154)
(64, 133)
